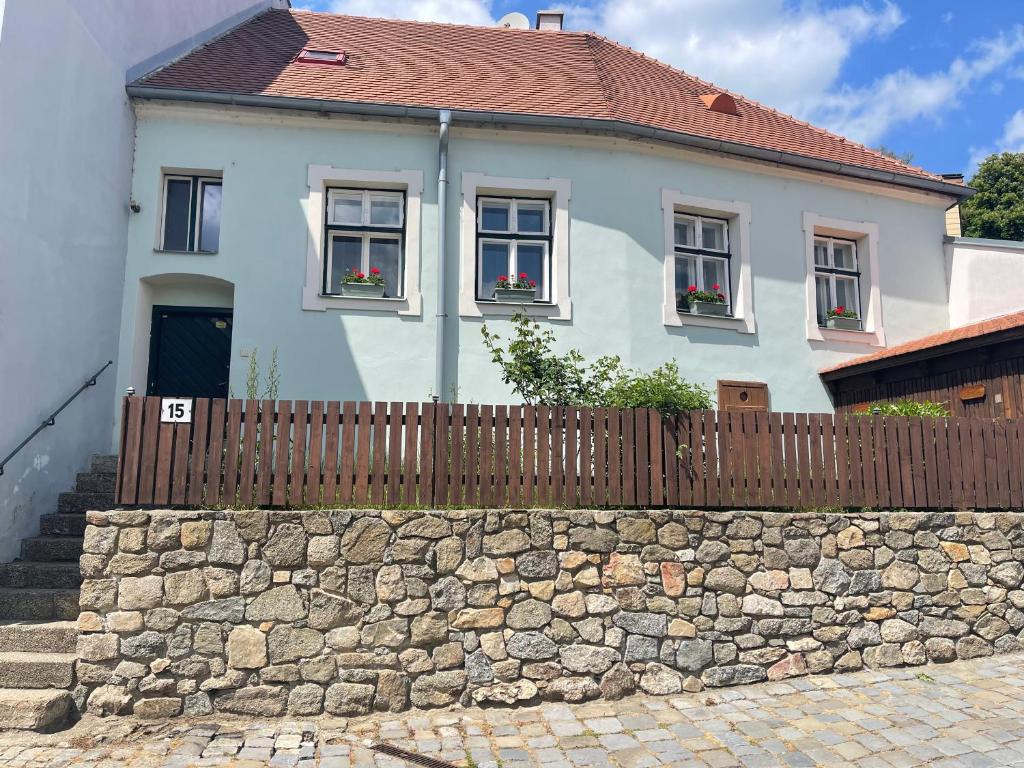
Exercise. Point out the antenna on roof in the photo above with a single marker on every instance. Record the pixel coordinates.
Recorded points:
(514, 20)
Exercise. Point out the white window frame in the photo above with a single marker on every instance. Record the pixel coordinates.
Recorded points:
(322, 177)
(557, 193)
(203, 179)
(514, 238)
(694, 252)
(379, 231)
(865, 236)
(736, 215)
(831, 272)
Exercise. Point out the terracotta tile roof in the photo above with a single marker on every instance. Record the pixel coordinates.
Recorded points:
(952, 336)
(490, 69)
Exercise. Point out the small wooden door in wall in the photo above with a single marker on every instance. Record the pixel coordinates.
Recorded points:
(742, 396)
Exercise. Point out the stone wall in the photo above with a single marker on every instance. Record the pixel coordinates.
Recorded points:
(268, 613)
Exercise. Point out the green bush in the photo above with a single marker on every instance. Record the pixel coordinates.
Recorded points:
(663, 388)
(543, 377)
(907, 408)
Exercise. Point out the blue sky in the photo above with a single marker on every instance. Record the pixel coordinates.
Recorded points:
(941, 79)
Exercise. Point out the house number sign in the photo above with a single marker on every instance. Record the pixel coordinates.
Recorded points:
(176, 410)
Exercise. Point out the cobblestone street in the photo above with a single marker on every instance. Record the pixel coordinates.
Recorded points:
(961, 714)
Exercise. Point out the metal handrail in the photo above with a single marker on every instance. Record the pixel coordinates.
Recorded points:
(50, 420)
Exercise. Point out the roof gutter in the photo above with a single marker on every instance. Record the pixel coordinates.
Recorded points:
(736, 149)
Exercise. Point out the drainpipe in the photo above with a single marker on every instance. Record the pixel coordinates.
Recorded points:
(445, 118)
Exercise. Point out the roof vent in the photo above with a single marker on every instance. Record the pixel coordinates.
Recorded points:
(720, 102)
(514, 20)
(551, 20)
(321, 56)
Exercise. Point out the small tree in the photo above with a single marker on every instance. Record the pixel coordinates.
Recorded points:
(663, 388)
(997, 210)
(541, 376)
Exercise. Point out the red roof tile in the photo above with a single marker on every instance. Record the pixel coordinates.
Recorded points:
(491, 69)
(963, 333)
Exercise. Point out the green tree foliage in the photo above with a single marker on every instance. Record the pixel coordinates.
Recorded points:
(541, 376)
(907, 408)
(997, 210)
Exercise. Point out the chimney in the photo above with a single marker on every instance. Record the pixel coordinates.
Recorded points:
(551, 20)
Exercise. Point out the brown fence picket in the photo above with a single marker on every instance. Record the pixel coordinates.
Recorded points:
(828, 444)
(265, 455)
(586, 468)
(364, 433)
(128, 458)
(529, 454)
(712, 489)
(426, 480)
(195, 459)
(380, 436)
(442, 417)
(600, 457)
(543, 492)
(472, 454)
(332, 440)
(457, 455)
(669, 459)
(246, 474)
(297, 474)
(628, 457)
(394, 488)
(931, 480)
(515, 455)
(499, 497)
(282, 445)
(866, 430)
(315, 453)
(570, 496)
(964, 493)
(557, 498)
(486, 454)
(1013, 450)
(410, 482)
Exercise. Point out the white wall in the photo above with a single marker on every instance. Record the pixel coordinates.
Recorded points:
(66, 145)
(986, 279)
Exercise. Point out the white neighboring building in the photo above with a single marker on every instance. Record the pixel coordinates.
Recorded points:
(986, 278)
(66, 147)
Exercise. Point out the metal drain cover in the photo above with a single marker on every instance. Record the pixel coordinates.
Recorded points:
(410, 757)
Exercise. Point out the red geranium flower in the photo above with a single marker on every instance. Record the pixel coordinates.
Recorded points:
(360, 275)
(523, 275)
(374, 271)
(533, 283)
(840, 309)
(502, 277)
(692, 288)
(715, 287)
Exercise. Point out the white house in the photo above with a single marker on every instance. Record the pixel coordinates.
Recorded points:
(300, 146)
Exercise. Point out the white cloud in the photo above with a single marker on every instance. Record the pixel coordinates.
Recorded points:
(451, 11)
(866, 114)
(1012, 140)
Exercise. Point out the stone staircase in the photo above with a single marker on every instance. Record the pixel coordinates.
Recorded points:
(39, 607)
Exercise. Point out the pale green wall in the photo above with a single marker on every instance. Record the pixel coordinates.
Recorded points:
(616, 247)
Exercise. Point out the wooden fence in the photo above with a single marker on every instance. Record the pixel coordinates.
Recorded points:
(296, 454)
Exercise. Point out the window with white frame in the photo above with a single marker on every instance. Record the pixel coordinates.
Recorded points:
(191, 213)
(836, 276)
(513, 240)
(701, 245)
(364, 230)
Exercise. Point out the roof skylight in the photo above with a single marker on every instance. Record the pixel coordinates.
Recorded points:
(321, 56)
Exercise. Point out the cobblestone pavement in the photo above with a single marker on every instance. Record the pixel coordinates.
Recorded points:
(963, 714)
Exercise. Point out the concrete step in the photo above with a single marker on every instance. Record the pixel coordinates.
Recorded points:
(19, 669)
(52, 604)
(95, 482)
(52, 549)
(31, 574)
(104, 463)
(75, 502)
(62, 525)
(39, 636)
(41, 710)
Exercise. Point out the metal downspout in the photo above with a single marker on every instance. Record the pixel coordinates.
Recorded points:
(445, 119)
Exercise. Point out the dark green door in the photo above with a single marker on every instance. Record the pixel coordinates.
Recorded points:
(189, 352)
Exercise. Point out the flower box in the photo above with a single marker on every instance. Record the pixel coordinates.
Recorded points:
(712, 308)
(844, 323)
(362, 290)
(515, 295)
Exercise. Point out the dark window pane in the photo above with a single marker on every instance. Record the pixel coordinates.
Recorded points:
(386, 255)
(494, 217)
(209, 231)
(530, 218)
(530, 261)
(176, 214)
(493, 264)
(824, 299)
(346, 255)
(684, 279)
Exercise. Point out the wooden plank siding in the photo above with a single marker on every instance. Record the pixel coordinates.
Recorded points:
(289, 454)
